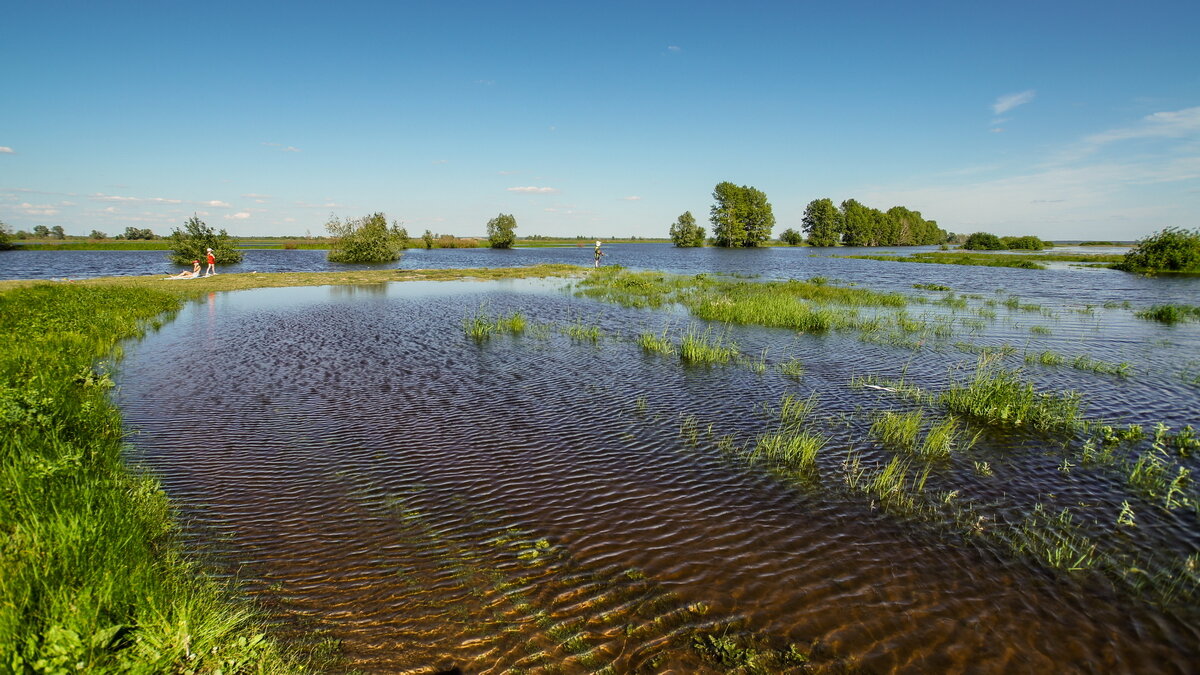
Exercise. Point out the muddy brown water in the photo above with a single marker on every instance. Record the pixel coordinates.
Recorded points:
(374, 476)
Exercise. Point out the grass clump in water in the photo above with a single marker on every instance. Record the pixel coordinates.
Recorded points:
(656, 344)
(792, 368)
(999, 397)
(903, 432)
(480, 326)
(1170, 314)
(706, 348)
(577, 330)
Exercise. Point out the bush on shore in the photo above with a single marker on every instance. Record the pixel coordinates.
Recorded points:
(194, 240)
(366, 240)
(1171, 250)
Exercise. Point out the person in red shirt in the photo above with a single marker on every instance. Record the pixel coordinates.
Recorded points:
(212, 263)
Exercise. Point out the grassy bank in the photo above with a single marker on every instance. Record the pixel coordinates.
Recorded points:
(1024, 261)
(92, 575)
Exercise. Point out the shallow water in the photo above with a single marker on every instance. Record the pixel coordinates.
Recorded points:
(375, 476)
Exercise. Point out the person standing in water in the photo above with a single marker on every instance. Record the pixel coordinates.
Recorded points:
(212, 264)
(599, 254)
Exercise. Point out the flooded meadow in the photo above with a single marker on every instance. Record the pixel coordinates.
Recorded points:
(799, 464)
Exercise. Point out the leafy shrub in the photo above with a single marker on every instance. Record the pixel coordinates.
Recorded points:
(1026, 243)
(5, 237)
(365, 240)
(791, 237)
(1171, 250)
(191, 243)
(983, 241)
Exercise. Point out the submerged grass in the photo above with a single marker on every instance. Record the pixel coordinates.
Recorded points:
(1170, 314)
(93, 576)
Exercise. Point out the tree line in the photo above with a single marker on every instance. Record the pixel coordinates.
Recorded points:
(741, 216)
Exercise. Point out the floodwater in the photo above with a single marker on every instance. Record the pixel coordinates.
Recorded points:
(542, 503)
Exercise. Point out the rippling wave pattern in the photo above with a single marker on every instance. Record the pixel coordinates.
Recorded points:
(536, 501)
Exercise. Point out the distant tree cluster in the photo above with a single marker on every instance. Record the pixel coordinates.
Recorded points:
(133, 233)
(986, 241)
(366, 240)
(741, 216)
(857, 225)
(685, 233)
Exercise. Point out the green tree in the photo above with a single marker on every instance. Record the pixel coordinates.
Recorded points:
(6, 237)
(685, 233)
(791, 237)
(823, 223)
(41, 231)
(191, 243)
(741, 216)
(1171, 250)
(1026, 243)
(57, 232)
(97, 234)
(427, 238)
(502, 231)
(365, 240)
(857, 224)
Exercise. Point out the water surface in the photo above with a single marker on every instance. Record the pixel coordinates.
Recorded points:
(377, 477)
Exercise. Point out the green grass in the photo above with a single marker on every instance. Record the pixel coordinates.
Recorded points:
(793, 368)
(706, 347)
(656, 344)
(93, 577)
(997, 396)
(902, 431)
(481, 326)
(577, 330)
(1170, 314)
(1046, 358)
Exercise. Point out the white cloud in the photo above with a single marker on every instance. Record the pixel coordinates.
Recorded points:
(632, 198)
(38, 209)
(291, 149)
(215, 203)
(1010, 101)
(674, 48)
(532, 189)
(5, 150)
(441, 161)
(997, 130)
(251, 195)
(240, 215)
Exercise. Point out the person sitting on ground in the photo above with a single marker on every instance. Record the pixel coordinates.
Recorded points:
(189, 275)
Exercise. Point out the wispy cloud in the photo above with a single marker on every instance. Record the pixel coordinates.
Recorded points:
(674, 48)
(441, 161)
(240, 215)
(326, 205)
(632, 198)
(216, 204)
(1173, 124)
(281, 146)
(101, 197)
(532, 189)
(5, 150)
(1010, 101)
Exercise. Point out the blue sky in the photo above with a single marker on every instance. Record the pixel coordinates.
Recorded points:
(1069, 120)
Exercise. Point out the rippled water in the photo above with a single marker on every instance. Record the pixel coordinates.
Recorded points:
(375, 476)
